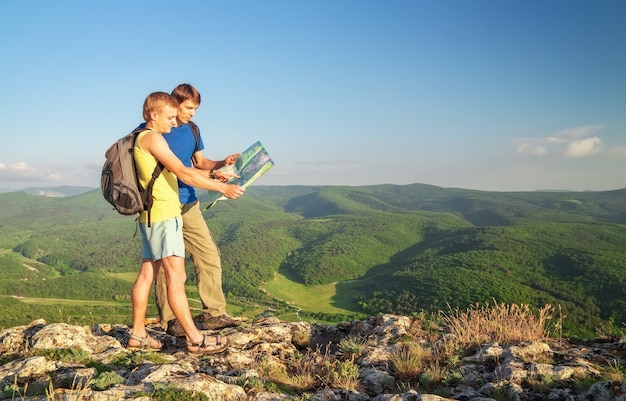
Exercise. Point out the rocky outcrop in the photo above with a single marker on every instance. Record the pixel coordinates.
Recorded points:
(65, 362)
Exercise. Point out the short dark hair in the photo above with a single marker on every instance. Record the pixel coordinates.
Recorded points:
(186, 92)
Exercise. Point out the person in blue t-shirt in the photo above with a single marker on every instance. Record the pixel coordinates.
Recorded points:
(199, 242)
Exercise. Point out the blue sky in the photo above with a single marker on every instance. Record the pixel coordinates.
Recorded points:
(484, 94)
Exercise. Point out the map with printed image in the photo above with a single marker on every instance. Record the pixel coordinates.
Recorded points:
(253, 163)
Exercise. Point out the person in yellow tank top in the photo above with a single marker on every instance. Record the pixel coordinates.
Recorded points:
(162, 239)
(165, 190)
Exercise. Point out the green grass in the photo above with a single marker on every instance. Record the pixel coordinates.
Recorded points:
(57, 301)
(126, 276)
(318, 298)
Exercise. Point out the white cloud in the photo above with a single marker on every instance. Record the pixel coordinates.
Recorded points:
(532, 146)
(17, 167)
(570, 142)
(539, 150)
(580, 132)
(21, 175)
(554, 139)
(584, 147)
(23, 172)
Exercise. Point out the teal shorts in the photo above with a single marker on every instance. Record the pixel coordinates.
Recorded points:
(162, 239)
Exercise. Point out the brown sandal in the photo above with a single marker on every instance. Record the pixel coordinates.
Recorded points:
(205, 347)
(145, 343)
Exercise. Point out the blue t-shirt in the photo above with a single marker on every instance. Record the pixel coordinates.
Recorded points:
(182, 143)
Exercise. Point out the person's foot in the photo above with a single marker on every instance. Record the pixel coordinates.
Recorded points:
(209, 322)
(208, 345)
(147, 343)
(174, 328)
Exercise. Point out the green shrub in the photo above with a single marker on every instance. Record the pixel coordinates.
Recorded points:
(106, 380)
(167, 392)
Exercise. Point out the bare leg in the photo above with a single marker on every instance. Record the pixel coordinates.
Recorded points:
(140, 296)
(174, 267)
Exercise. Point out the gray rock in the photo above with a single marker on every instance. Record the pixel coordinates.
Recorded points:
(269, 347)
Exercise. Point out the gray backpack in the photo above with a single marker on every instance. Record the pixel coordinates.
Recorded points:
(119, 183)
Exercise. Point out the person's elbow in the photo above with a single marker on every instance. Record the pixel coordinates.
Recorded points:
(184, 174)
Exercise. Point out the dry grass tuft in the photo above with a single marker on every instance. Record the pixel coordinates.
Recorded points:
(312, 370)
(352, 347)
(500, 323)
(615, 371)
(408, 361)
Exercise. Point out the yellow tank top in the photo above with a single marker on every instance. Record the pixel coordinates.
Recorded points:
(166, 203)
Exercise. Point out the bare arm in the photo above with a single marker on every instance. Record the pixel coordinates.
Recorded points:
(157, 146)
(203, 163)
(206, 164)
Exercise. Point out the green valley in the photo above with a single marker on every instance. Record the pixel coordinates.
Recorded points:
(333, 253)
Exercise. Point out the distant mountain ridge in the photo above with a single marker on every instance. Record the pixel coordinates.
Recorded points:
(54, 192)
(69, 190)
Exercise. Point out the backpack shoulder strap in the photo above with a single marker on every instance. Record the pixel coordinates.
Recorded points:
(159, 167)
(147, 192)
(196, 135)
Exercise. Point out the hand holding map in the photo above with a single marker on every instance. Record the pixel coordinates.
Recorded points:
(251, 164)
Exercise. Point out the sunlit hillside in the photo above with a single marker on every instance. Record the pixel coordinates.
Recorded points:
(377, 249)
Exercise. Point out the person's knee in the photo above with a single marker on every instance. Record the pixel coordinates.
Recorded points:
(176, 281)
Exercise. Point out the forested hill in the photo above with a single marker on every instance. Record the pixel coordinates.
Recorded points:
(392, 248)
